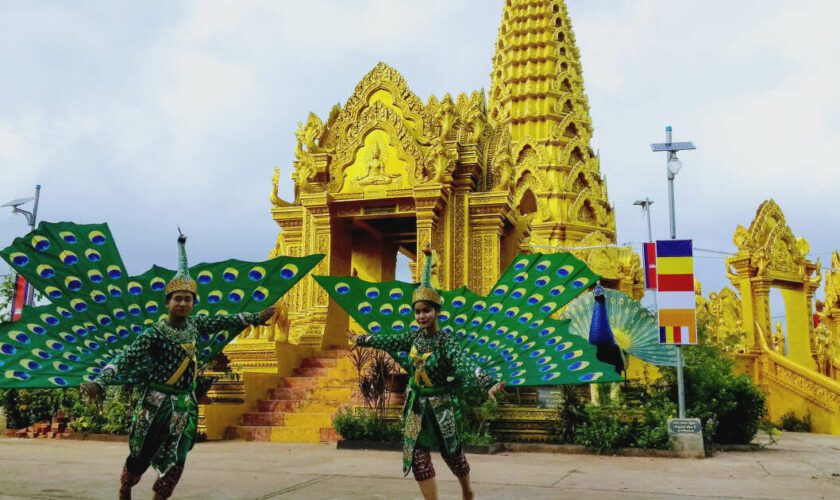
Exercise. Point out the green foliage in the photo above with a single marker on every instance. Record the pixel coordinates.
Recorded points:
(475, 415)
(571, 414)
(791, 423)
(650, 428)
(730, 406)
(603, 429)
(771, 430)
(365, 426)
(7, 288)
(474, 439)
(636, 418)
(25, 407)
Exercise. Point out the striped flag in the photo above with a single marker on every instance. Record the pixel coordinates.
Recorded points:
(650, 265)
(20, 294)
(675, 285)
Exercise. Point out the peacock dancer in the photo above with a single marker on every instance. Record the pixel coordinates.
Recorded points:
(461, 340)
(438, 369)
(104, 328)
(163, 360)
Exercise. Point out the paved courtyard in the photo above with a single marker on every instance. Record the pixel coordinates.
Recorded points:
(800, 466)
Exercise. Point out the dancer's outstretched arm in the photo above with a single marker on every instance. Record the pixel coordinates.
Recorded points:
(469, 372)
(386, 341)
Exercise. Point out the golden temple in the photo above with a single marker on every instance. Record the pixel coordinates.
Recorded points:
(480, 178)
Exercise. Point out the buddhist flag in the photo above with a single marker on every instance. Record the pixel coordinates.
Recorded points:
(650, 265)
(20, 294)
(675, 285)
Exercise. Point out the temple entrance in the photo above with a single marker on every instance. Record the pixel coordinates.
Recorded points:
(376, 248)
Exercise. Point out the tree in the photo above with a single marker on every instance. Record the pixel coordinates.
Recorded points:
(7, 291)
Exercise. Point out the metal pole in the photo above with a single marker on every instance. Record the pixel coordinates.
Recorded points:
(35, 206)
(30, 296)
(647, 204)
(680, 381)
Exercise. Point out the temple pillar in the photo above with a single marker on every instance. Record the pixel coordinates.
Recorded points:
(798, 319)
(460, 237)
(488, 212)
(308, 328)
(429, 205)
(760, 312)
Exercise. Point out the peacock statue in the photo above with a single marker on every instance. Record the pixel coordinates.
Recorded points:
(608, 314)
(95, 309)
(510, 333)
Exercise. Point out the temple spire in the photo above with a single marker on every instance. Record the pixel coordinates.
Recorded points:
(536, 84)
(537, 99)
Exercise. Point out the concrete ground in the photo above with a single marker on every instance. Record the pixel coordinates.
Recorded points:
(800, 466)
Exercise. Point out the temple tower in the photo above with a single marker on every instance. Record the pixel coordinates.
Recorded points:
(537, 98)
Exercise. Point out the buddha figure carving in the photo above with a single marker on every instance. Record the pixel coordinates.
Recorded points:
(376, 174)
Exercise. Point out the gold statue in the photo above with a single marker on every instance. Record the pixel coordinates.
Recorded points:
(376, 174)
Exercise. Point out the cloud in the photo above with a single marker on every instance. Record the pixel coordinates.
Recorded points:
(149, 118)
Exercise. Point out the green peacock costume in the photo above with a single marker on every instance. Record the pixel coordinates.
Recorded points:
(509, 336)
(105, 327)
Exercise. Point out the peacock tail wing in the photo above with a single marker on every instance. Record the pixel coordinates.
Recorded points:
(510, 333)
(96, 310)
(635, 328)
(227, 287)
(376, 307)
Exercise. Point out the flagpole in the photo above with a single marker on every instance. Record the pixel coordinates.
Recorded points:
(674, 166)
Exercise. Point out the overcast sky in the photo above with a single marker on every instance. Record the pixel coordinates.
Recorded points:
(148, 115)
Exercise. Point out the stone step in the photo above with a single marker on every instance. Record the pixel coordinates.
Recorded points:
(310, 371)
(263, 418)
(289, 393)
(279, 405)
(331, 354)
(249, 433)
(318, 363)
(329, 435)
(310, 434)
(298, 382)
(331, 394)
(289, 405)
(306, 419)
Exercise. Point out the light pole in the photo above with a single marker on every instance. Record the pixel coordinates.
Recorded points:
(674, 166)
(645, 204)
(31, 219)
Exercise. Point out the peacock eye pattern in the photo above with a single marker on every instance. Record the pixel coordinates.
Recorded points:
(510, 332)
(636, 329)
(93, 309)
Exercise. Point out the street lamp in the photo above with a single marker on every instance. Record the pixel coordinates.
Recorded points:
(32, 216)
(674, 166)
(645, 204)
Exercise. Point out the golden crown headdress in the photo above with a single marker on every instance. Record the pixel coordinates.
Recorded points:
(182, 282)
(425, 291)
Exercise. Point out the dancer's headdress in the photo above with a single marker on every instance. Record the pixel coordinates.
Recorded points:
(425, 291)
(182, 282)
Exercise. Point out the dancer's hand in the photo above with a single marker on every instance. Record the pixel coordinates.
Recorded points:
(491, 394)
(266, 315)
(92, 392)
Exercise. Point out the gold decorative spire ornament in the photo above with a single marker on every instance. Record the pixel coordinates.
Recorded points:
(182, 282)
(425, 291)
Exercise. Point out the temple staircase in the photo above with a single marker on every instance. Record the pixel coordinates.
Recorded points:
(301, 407)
